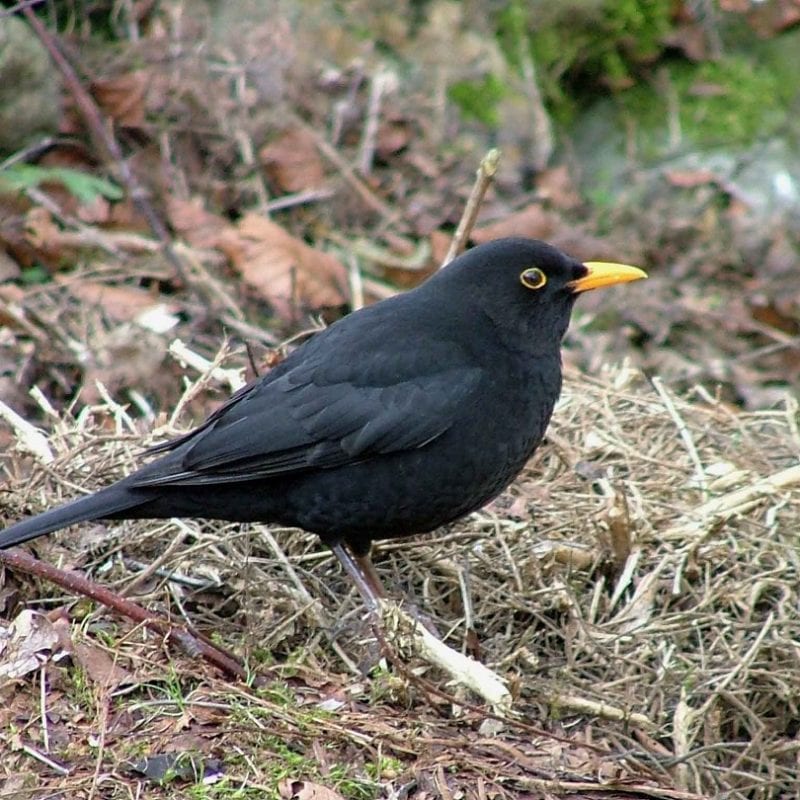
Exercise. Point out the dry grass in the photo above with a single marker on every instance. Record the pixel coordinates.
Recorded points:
(655, 634)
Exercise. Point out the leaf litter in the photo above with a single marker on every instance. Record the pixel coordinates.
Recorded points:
(637, 586)
(661, 663)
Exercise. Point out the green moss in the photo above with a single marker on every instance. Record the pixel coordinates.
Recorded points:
(731, 101)
(478, 99)
(386, 768)
(581, 46)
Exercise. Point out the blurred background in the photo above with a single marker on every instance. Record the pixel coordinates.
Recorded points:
(303, 151)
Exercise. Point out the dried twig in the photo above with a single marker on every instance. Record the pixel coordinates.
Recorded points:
(349, 174)
(29, 438)
(381, 81)
(701, 520)
(484, 176)
(685, 433)
(100, 131)
(414, 639)
(232, 378)
(191, 643)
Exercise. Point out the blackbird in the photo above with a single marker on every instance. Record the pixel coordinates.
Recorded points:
(396, 419)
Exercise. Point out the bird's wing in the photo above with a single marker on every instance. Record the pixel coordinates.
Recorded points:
(321, 411)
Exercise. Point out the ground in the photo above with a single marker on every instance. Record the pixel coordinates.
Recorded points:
(637, 587)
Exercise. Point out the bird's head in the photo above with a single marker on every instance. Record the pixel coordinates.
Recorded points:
(528, 285)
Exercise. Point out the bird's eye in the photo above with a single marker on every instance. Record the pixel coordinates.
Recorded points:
(533, 278)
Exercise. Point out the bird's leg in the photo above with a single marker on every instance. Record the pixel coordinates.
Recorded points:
(364, 577)
(361, 569)
(364, 562)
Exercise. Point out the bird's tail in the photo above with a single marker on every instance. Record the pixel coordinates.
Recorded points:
(101, 505)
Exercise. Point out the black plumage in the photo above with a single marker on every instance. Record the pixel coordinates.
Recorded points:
(396, 419)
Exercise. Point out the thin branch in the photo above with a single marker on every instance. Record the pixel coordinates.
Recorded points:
(100, 132)
(192, 643)
(484, 176)
(22, 6)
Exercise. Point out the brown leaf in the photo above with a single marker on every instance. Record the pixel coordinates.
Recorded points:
(9, 268)
(120, 357)
(122, 98)
(769, 19)
(284, 270)
(578, 243)
(199, 227)
(292, 161)
(532, 221)
(306, 790)
(735, 6)
(100, 667)
(52, 246)
(95, 212)
(394, 135)
(775, 314)
(691, 38)
(690, 178)
(557, 186)
(122, 303)
(26, 644)
(440, 245)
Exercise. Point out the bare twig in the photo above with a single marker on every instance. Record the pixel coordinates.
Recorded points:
(73, 582)
(232, 378)
(15, 9)
(349, 174)
(100, 131)
(542, 146)
(28, 437)
(685, 434)
(484, 176)
(380, 83)
(582, 705)
(702, 519)
(415, 639)
(59, 769)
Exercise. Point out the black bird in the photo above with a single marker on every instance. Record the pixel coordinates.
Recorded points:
(396, 419)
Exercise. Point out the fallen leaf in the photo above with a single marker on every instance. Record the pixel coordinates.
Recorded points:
(286, 271)
(199, 227)
(120, 357)
(394, 135)
(769, 19)
(691, 38)
(736, 6)
(532, 221)
(122, 98)
(557, 186)
(9, 268)
(95, 212)
(26, 644)
(122, 303)
(690, 178)
(292, 161)
(579, 243)
(440, 244)
(100, 667)
(776, 314)
(52, 246)
(306, 790)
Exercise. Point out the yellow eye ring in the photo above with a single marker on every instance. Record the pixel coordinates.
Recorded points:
(533, 278)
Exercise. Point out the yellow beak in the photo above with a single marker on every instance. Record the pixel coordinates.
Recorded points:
(605, 273)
